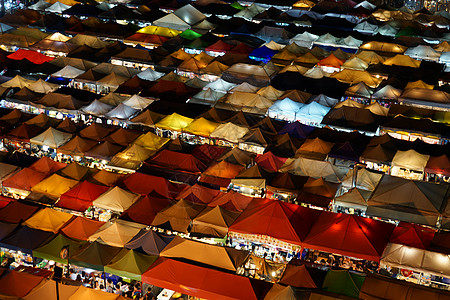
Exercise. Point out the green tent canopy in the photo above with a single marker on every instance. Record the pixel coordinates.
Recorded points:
(94, 256)
(52, 250)
(237, 5)
(190, 34)
(130, 264)
(343, 282)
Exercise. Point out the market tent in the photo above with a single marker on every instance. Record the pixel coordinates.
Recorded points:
(317, 192)
(68, 72)
(314, 168)
(174, 122)
(7, 170)
(132, 157)
(96, 107)
(52, 249)
(177, 161)
(232, 201)
(76, 146)
(198, 194)
(17, 82)
(16, 212)
(54, 186)
(412, 235)
(123, 137)
(33, 56)
(116, 199)
(349, 235)
(418, 84)
(226, 258)
(172, 21)
(203, 282)
(149, 242)
(344, 282)
(145, 210)
(365, 179)
(265, 217)
(18, 284)
(314, 148)
(48, 219)
(47, 290)
(177, 217)
(80, 197)
(354, 198)
(410, 160)
(407, 200)
(26, 239)
(138, 102)
(220, 173)
(356, 76)
(93, 256)
(213, 222)
(151, 141)
(299, 275)
(147, 118)
(52, 138)
(159, 30)
(270, 162)
(47, 165)
(116, 233)
(81, 228)
(84, 293)
(438, 165)
(381, 287)
(419, 260)
(312, 113)
(145, 184)
(41, 86)
(201, 126)
(423, 52)
(130, 264)
(402, 60)
(229, 132)
(279, 291)
(96, 131)
(75, 171)
(284, 109)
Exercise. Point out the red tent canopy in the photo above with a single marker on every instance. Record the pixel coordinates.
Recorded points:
(5, 201)
(232, 200)
(18, 283)
(80, 197)
(178, 161)
(145, 184)
(208, 153)
(203, 282)
(47, 165)
(349, 235)
(81, 228)
(438, 165)
(198, 194)
(281, 220)
(219, 46)
(412, 235)
(270, 161)
(33, 56)
(25, 179)
(146, 209)
(16, 212)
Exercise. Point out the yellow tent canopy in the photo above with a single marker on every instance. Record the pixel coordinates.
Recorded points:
(158, 30)
(370, 57)
(132, 157)
(174, 122)
(54, 186)
(151, 141)
(65, 2)
(229, 132)
(349, 103)
(48, 219)
(201, 126)
(356, 76)
(419, 84)
(402, 60)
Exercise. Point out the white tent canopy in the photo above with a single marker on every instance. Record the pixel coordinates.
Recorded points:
(52, 138)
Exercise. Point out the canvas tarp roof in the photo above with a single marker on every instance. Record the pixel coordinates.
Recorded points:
(232, 201)
(177, 161)
(381, 287)
(438, 165)
(93, 256)
(52, 138)
(138, 102)
(48, 219)
(16, 212)
(80, 197)
(407, 200)
(201, 126)
(174, 122)
(178, 216)
(402, 60)
(116, 233)
(130, 264)
(116, 199)
(410, 160)
(298, 275)
(213, 221)
(314, 168)
(97, 107)
(343, 282)
(202, 282)
(217, 256)
(412, 235)
(51, 250)
(68, 72)
(354, 197)
(18, 284)
(229, 132)
(54, 186)
(6, 170)
(419, 260)
(81, 228)
(365, 179)
(149, 241)
(83, 293)
(26, 239)
(265, 217)
(356, 76)
(47, 290)
(172, 21)
(145, 210)
(132, 157)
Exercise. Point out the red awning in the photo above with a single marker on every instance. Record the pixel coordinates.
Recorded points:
(349, 235)
(80, 197)
(33, 56)
(412, 235)
(203, 282)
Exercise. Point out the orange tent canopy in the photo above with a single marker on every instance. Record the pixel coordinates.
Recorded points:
(81, 228)
(18, 283)
(331, 61)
